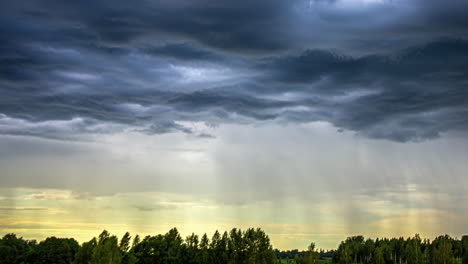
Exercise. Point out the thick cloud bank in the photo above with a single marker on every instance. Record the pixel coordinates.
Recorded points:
(394, 70)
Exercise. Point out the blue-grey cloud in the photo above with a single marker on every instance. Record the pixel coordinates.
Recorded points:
(412, 95)
(380, 69)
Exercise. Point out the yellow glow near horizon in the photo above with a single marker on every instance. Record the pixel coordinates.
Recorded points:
(38, 214)
(300, 183)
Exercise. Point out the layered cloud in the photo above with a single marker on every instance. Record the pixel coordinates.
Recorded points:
(384, 69)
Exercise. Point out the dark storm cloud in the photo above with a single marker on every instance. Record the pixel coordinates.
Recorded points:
(103, 66)
(183, 51)
(222, 24)
(412, 95)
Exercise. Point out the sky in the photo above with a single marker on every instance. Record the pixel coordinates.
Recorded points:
(314, 120)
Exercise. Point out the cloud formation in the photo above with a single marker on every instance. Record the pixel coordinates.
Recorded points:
(392, 70)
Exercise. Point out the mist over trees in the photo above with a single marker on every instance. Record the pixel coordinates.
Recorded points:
(251, 246)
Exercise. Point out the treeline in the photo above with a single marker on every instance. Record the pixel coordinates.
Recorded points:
(413, 250)
(311, 256)
(251, 246)
(236, 247)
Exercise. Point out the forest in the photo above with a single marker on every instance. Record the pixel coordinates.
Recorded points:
(251, 246)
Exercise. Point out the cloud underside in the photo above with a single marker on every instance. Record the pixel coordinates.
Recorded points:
(68, 69)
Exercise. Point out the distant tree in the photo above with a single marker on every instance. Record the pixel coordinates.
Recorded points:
(311, 256)
(124, 245)
(236, 246)
(219, 248)
(426, 256)
(251, 249)
(413, 250)
(56, 251)
(107, 250)
(173, 241)
(151, 250)
(264, 251)
(85, 252)
(128, 256)
(214, 251)
(298, 259)
(457, 249)
(191, 252)
(397, 250)
(204, 249)
(343, 255)
(356, 245)
(223, 245)
(136, 241)
(442, 250)
(387, 251)
(14, 250)
(378, 255)
(464, 243)
(368, 250)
